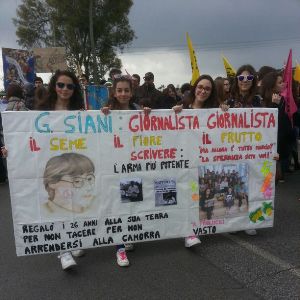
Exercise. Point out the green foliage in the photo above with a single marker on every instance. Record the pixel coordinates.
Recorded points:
(49, 23)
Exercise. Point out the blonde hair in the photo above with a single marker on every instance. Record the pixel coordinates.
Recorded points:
(72, 164)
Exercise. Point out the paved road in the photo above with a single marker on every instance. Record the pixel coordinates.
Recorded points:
(266, 266)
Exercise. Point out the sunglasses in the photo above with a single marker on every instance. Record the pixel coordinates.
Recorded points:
(61, 85)
(248, 77)
(206, 89)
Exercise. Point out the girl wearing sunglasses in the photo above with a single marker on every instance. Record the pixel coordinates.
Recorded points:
(244, 94)
(64, 93)
(244, 89)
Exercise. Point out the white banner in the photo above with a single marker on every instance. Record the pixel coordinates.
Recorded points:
(83, 179)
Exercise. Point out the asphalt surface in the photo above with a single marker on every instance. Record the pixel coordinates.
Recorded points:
(266, 266)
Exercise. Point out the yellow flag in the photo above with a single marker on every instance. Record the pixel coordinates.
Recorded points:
(230, 71)
(297, 73)
(194, 65)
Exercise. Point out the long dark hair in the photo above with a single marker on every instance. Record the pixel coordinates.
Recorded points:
(48, 102)
(211, 101)
(113, 102)
(14, 90)
(245, 101)
(219, 82)
(267, 87)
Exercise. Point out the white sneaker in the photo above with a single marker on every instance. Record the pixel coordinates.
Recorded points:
(122, 259)
(251, 232)
(191, 241)
(129, 247)
(67, 260)
(78, 253)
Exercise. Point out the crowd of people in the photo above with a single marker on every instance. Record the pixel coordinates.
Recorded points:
(246, 90)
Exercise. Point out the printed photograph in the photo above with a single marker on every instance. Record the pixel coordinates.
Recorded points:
(223, 191)
(165, 192)
(131, 190)
(18, 66)
(69, 180)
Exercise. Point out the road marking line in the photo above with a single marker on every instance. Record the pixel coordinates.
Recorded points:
(264, 254)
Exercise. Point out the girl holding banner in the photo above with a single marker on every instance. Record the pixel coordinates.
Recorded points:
(63, 94)
(244, 89)
(244, 93)
(122, 100)
(203, 96)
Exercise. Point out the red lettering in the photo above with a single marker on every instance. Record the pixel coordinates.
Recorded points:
(133, 155)
(153, 123)
(213, 123)
(136, 127)
(173, 153)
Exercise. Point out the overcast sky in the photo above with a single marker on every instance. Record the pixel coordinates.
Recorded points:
(259, 32)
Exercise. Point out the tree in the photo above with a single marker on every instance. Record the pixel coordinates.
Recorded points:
(49, 23)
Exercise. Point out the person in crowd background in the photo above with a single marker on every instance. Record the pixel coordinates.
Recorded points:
(136, 79)
(29, 90)
(185, 90)
(296, 125)
(271, 87)
(219, 82)
(15, 97)
(227, 86)
(40, 94)
(170, 97)
(83, 80)
(262, 72)
(38, 81)
(148, 90)
(113, 74)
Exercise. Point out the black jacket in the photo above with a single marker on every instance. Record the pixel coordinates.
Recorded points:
(153, 95)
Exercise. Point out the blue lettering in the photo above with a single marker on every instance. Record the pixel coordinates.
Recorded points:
(104, 124)
(72, 127)
(79, 123)
(101, 124)
(110, 124)
(45, 126)
(89, 122)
